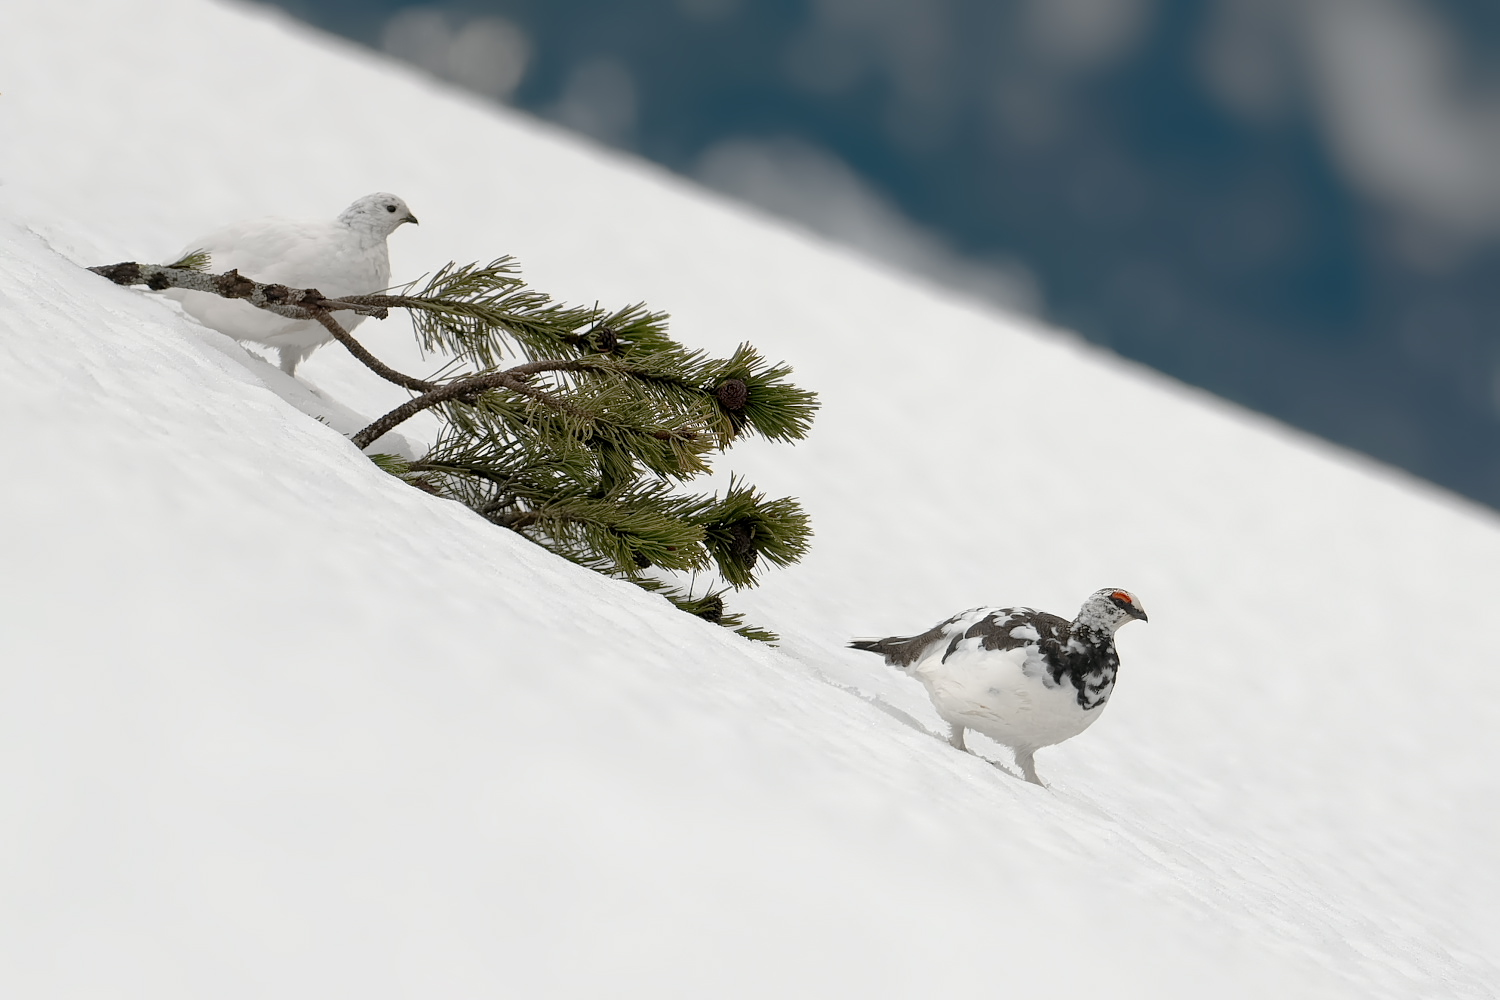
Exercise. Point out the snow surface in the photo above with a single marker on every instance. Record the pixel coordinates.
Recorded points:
(274, 724)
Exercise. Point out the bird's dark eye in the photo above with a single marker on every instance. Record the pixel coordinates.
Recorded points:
(390, 208)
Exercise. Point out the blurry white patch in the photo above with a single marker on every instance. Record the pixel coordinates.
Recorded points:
(1405, 121)
(909, 45)
(804, 182)
(1245, 57)
(1086, 34)
(487, 55)
(420, 35)
(599, 100)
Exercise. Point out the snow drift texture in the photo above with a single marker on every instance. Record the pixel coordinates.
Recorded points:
(274, 724)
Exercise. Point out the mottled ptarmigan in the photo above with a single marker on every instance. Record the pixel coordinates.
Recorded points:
(343, 256)
(1024, 678)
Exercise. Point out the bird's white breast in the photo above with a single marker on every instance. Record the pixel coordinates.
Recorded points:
(1008, 695)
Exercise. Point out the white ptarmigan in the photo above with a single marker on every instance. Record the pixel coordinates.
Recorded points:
(343, 256)
(1024, 678)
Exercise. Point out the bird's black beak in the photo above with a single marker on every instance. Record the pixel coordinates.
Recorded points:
(1138, 613)
(412, 219)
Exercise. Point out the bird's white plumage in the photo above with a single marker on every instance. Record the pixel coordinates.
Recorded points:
(1006, 694)
(1023, 678)
(343, 256)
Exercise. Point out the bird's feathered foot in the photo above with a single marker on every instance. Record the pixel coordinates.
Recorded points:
(1026, 762)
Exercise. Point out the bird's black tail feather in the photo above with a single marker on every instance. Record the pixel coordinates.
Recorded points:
(898, 650)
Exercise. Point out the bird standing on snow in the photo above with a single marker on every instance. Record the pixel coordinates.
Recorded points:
(1022, 677)
(345, 256)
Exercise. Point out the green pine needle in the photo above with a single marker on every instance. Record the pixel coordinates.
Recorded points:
(743, 528)
(193, 260)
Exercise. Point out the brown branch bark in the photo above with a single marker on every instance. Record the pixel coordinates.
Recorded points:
(367, 359)
(293, 303)
(520, 519)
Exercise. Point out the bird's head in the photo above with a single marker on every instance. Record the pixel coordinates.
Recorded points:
(1108, 609)
(379, 213)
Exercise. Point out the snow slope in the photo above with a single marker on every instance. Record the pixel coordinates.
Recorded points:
(273, 724)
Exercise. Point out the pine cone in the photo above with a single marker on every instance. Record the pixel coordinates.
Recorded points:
(742, 543)
(733, 394)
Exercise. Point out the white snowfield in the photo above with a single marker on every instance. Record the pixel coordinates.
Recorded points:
(273, 724)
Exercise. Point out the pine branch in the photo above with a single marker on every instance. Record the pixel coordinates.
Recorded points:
(576, 448)
(511, 379)
(743, 528)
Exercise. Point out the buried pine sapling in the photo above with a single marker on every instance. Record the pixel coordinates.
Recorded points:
(585, 445)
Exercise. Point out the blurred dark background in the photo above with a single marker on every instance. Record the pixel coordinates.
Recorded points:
(1292, 203)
